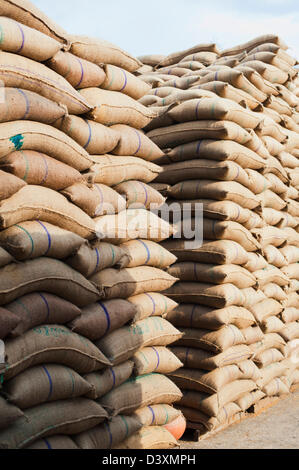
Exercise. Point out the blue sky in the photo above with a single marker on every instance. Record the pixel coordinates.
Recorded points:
(165, 26)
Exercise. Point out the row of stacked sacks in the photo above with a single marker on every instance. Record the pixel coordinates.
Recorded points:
(82, 317)
(230, 136)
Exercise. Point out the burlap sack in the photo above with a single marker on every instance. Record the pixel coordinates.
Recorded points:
(88, 260)
(223, 230)
(95, 200)
(257, 145)
(111, 170)
(205, 57)
(151, 437)
(274, 257)
(270, 372)
(19, 72)
(271, 274)
(290, 331)
(5, 258)
(36, 202)
(292, 236)
(118, 79)
(151, 59)
(18, 104)
(197, 316)
(198, 420)
(151, 304)
(9, 413)
(8, 322)
(131, 281)
(212, 252)
(215, 341)
(121, 344)
(43, 138)
(155, 359)
(259, 41)
(265, 309)
(156, 415)
(252, 334)
(140, 195)
(270, 236)
(100, 51)
(49, 275)
(139, 392)
(250, 399)
(135, 143)
(257, 80)
(52, 344)
(78, 72)
(177, 134)
(276, 388)
(269, 72)
(55, 442)
(108, 435)
(292, 287)
(214, 274)
(270, 340)
(225, 90)
(39, 169)
(40, 308)
(104, 381)
(273, 291)
(146, 252)
(267, 357)
(112, 107)
(102, 318)
(64, 416)
(176, 57)
(218, 296)
(200, 359)
(35, 239)
(43, 384)
(291, 271)
(290, 253)
(289, 314)
(9, 185)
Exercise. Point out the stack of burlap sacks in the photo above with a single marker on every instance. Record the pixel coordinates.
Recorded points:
(81, 270)
(229, 130)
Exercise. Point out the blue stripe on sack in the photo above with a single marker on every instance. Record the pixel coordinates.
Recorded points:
(47, 305)
(98, 258)
(48, 444)
(153, 413)
(49, 237)
(198, 147)
(107, 317)
(158, 357)
(113, 377)
(89, 136)
(126, 80)
(154, 304)
(50, 382)
(110, 435)
(196, 110)
(27, 102)
(192, 313)
(23, 37)
(46, 170)
(147, 251)
(82, 73)
(139, 142)
(195, 271)
(187, 354)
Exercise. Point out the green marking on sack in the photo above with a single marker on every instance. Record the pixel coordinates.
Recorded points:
(126, 424)
(18, 301)
(111, 81)
(26, 165)
(2, 36)
(17, 140)
(113, 255)
(165, 302)
(72, 379)
(29, 236)
(167, 416)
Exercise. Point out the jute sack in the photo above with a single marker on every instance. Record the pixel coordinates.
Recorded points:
(215, 341)
(19, 72)
(135, 143)
(212, 404)
(267, 357)
(290, 331)
(131, 281)
(112, 107)
(194, 358)
(270, 372)
(272, 324)
(132, 224)
(292, 287)
(100, 51)
(94, 137)
(270, 236)
(292, 236)
(229, 414)
(89, 259)
(287, 160)
(152, 59)
(9, 185)
(272, 145)
(219, 190)
(139, 392)
(205, 57)
(225, 90)
(8, 322)
(291, 271)
(95, 200)
(276, 388)
(257, 80)
(34, 239)
(5, 258)
(151, 304)
(39, 169)
(274, 256)
(257, 145)
(102, 318)
(229, 230)
(110, 434)
(36, 202)
(55, 442)
(252, 334)
(64, 416)
(290, 253)
(270, 340)
(105, 380)
(257, 42)
(271, 274)
(176, 57)
(163, 188)
(23, 135)
(252, 296)
(55, 345)
(250, 399)
(214, 274)
(289, 314)
(269, 72)
(215, 108)
(197, 316)
(270, 200)
(118, 79)
(156, 415)
(172, 136)
(291, 301)
(18, 104)
(45, 274)
(40, 308)
(151, 437)
(218, 296)
(212, 252)
(78, 72)
(113, 170)
(140, 195)
(28, 14)
(9, 413)
(146, 252)
(26, 41)
(155, 359)
(122, 344)
(31, 387)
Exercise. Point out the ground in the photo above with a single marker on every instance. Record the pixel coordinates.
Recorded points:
(275, 428)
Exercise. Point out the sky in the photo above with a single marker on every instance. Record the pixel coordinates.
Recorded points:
(165, 26)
